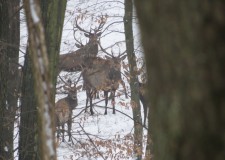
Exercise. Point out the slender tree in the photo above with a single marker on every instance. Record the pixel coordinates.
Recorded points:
(184, 49)
(138, 129)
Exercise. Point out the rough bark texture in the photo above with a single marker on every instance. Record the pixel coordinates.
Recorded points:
(134, 85)
(42, 83)
(28, 143)
(9, 48)
(53, 13)
(35, 94)
(184, 43)
(4, 64)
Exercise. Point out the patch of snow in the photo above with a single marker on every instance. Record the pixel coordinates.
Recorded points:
(33, 11)
(6, 149)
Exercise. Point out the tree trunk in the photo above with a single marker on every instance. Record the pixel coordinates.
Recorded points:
(28, 143)
(13, 53)
(53, 18)
(53, 13)
(9, 48)
(135, 102)
(4, 64)
(184, 48)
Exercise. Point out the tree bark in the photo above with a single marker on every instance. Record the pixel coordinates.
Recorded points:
(9, 48)
(134, 85)
(53, 18)
(4, 64)
(42, 83)
(185, 54)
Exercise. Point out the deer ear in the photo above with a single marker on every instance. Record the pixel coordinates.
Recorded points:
(87, 35)
(107, 57)
(99, 34)
(78, 45)
(66, 88)
(123, 57)
(79, 87)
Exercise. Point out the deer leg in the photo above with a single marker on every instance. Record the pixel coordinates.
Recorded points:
(91, 109)
(97, 94)
(145, 113)
(124, 88)
(58, 131)
(106, 100)
(87, 96)
(146, 110)
(69, 125)
(113, 101)
(63, 132)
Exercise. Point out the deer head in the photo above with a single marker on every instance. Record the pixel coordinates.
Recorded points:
(92, 34)
(73, 61)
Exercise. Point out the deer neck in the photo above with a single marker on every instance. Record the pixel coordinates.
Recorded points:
(92, 49)
(72, 103)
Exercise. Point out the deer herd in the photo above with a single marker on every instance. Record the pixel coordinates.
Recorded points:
(99, 74)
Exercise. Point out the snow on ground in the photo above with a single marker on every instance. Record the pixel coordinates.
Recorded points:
(99, 135)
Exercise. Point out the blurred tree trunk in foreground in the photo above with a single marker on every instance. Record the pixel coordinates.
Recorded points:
(9, 48)
(135, 102)
(37, 126)
(184, 43)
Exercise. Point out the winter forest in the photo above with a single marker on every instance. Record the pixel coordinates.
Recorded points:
(112, 80)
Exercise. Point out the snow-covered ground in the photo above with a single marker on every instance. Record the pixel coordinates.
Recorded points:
(99, 136)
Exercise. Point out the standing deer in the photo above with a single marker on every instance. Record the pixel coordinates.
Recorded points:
(102, 74)
(64, 109)
(73, 61)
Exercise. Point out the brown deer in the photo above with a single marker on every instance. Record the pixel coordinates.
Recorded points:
(64, 109)
(73, 61)
(102, 74)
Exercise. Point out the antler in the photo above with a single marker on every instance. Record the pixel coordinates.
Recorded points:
(102, 22)
(104, 50)
(78, 27)
(78, 43)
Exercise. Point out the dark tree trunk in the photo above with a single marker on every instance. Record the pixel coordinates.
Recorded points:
(184, 48)
(28, 118)
(4, 64)
(9, 48)
(53, 13)
(33, 94)
(13, 53)
(134, 85)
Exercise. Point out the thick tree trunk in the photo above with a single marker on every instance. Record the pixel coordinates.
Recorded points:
(4, 64)
(13, 54)
(184, 48)
(28, 143)
(9, 50)
(53, 18)
(135, 102)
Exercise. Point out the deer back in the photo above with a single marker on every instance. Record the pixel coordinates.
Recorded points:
(70, 62)
(102, 74)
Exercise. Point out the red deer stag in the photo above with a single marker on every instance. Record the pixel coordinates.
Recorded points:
(64, 108)
(73, 61)
(102, 74)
